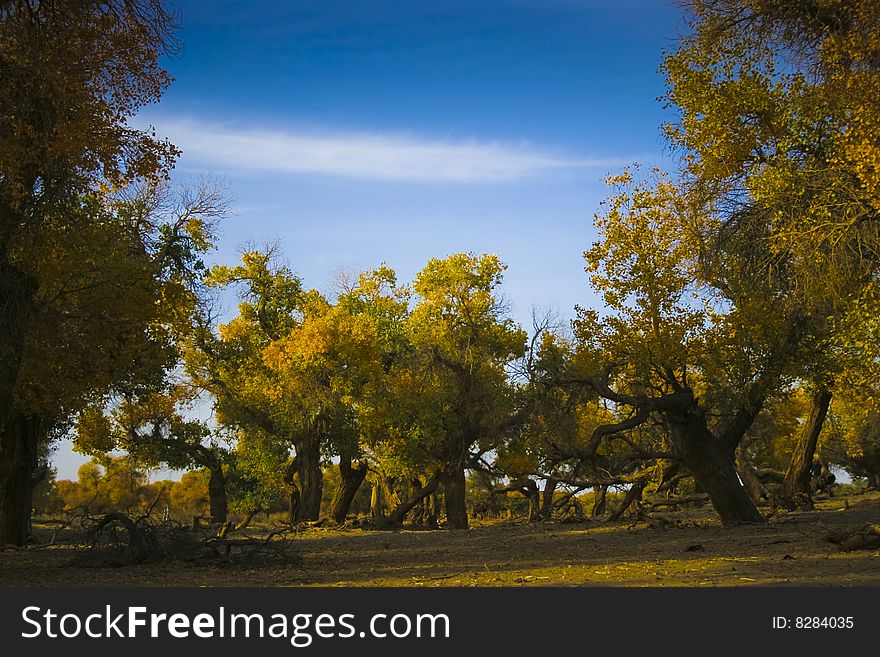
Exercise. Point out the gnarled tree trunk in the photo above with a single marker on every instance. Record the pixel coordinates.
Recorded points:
(529, 488)
(294, 498)
(712, 464)
(377, 504)
(632, 495)
(19, 433)
(350, 480)
(417, 495)
(750, 479)
(421, 511)
(599, 503)
(796, 487)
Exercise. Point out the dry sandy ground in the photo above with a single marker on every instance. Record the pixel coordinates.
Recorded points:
(676, 549)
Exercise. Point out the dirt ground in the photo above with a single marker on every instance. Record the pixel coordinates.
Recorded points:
(672, 549)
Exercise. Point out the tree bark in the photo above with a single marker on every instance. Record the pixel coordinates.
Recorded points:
(417, 495)
(874, 481)
(310, 478)
(599, 504)
(796, 487)
(669, 476)
(246, 521)
(750, 480)
(712, 462)
(217, 494)
(19, 433)
(377, 508)
(294, 505)
(19, 440)
(434, 507)
(420, 511)
(350, 480)
(294, 499)
(547, 498)
(454, 493)
(713, 465)
(634, 493)
(529, 488)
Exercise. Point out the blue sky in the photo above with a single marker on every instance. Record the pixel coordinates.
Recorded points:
(361, 132)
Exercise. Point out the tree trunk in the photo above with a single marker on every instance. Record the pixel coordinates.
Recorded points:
(294, 499)
(19, 433)
(350, 479)
(217, 494)
(796, 486)
(417, 495)
(247, 520)
(874, 481)
(420, 511)
(547, 498)
(529, 488)
(454, 492)
(433, 507)
(714, 472)
(599, 503)
(668, 476)
(19, 440)
(294, 505)
(750, 480)
(310, 478)
(634, 493)
(40, 473)
(377, 508)
(712, 464)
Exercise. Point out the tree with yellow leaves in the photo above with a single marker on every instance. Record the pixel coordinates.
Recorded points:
(80, 272)
(778, 116)
(693, 343)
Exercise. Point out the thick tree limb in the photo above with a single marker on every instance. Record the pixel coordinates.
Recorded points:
(678, 501)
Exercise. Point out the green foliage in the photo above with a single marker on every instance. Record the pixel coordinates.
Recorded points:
(256, 482)
(154, 428)
(854, 435)
(454, 393)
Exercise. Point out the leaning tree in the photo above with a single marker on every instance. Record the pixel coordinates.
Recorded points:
(694, 349)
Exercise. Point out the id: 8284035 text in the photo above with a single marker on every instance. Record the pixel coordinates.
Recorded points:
(814, 623)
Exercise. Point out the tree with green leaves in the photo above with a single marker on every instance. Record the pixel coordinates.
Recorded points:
(369, 342)
(299, 371)
(461, 400)
(158, 429)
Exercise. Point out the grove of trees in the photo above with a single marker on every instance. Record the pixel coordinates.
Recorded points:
(735, 354)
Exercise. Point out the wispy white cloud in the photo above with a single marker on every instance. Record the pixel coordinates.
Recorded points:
(365, 155)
